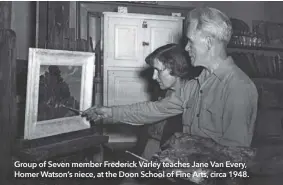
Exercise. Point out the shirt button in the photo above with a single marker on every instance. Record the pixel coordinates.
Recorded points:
(197, 115)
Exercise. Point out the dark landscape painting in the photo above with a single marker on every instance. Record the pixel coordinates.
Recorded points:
(58, 85)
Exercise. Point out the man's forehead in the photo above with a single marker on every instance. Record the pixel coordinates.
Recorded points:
(191, 29)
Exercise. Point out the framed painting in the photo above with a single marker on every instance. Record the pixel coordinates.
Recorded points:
(57, 79)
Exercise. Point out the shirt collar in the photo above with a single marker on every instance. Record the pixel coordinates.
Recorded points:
(224, 68)
(220, 72)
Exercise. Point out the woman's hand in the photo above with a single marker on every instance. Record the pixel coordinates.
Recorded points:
(94, 113)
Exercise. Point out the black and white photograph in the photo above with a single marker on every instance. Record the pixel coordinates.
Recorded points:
(141, 92)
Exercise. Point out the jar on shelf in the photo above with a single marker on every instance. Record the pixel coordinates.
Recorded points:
(243, 38)
(249, 38)
(254, 39)
(260, 40)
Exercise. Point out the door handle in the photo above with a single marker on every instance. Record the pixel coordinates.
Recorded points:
(145, 43)
(144, 24)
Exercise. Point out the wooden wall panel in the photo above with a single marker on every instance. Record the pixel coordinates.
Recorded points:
(8, 106)
(58, 21)
(41, 24)
(5, 14)
(52, 20)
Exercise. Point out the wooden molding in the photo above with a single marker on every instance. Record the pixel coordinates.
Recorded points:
(5, 14)
(8, 106)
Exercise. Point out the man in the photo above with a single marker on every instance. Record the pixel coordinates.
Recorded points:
(220, 104)
(226, 103)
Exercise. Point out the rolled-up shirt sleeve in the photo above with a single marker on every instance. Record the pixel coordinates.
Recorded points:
(239, 115)
(148, 112)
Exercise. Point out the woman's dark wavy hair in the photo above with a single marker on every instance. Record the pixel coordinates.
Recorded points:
(174, 58)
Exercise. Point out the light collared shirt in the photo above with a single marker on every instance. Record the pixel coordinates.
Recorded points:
(221, 106)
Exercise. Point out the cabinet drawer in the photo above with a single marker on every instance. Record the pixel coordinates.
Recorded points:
(126, 87)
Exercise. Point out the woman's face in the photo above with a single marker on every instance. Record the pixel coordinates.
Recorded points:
(162, 75)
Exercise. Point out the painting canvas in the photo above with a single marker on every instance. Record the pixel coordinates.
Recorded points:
(58, 85)
(57, 79)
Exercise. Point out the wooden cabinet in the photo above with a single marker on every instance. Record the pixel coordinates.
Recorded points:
(128, 39)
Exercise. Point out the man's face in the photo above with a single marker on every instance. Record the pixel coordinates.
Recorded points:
(162, 75)
(196, 46)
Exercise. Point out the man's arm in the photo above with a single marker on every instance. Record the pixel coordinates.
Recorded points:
(239, 116)
(148, 112)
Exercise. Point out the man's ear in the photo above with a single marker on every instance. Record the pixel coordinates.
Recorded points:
(209, 41)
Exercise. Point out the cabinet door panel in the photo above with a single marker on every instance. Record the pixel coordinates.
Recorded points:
(126, 87)
(159, 33)
(124, 42)
(126, 50)
(160, 37)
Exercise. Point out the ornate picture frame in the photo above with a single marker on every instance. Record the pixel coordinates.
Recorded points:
(57, 79)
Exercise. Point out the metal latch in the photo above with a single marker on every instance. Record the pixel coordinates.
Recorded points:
(145, 43)
(144, 24)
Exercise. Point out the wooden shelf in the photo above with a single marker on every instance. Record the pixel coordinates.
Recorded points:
(248, 48)
(268, 141)
(63, 144)
(268, 80)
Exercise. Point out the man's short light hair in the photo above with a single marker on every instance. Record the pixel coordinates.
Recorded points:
(213, 22)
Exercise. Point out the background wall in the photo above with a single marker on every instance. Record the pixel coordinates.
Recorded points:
(23, 23)
(246, 11)
(23, 17)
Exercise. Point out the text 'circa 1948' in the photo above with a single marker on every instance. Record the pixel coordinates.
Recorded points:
(118, 169)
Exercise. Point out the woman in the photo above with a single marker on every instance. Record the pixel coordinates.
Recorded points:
(172, 57)
(172, 71)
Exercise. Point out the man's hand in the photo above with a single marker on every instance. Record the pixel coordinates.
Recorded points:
(94, 113)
